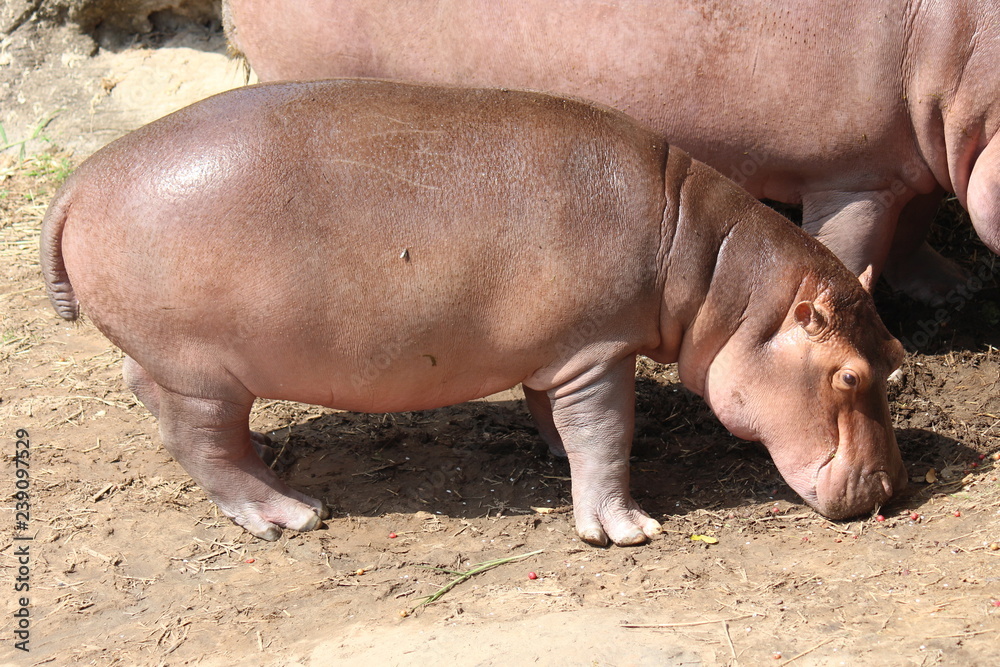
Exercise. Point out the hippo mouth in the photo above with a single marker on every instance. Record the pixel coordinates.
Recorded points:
(849, 495)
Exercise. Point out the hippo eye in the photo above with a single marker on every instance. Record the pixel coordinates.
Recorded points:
(849, 378)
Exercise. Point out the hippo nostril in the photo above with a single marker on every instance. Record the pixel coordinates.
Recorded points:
(883, 477)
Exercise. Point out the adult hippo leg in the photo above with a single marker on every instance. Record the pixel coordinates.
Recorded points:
(142, 385)
(541, 410)
(148, 392)
(982, 199)
(210, 438)
(594, 414)
(857, 226)
(913, 266)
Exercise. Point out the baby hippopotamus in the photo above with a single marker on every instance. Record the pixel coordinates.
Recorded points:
(381, 247)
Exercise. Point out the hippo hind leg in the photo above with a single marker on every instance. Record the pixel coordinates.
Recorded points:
(148, 392)
(211, 440)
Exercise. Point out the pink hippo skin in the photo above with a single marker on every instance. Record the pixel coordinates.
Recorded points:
(859, 110)
(377, 246)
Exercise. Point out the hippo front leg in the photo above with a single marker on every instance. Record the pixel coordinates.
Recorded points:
(884, 230)
(541, 411)
(857, 226)
(594, 417)
(913, 266)
(211, 440)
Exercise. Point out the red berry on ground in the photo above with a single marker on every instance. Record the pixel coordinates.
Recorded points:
(996, 603)
(880, 518)
(914, 516)
(250, 560)
(532, 576)
(392, 536)
(958, 513)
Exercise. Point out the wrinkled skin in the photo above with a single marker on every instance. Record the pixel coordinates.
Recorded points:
(385, 247)
(863, 111)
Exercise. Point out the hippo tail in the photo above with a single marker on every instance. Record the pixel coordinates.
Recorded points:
(57, 284)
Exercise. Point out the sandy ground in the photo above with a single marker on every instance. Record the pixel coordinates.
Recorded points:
(129, 564)
(85, 101)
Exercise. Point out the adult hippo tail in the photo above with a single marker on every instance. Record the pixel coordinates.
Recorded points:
(863, 111)
(384, 247)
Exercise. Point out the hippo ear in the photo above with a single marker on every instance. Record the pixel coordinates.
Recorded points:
(810, 318)
(867, 278)
(983, 195)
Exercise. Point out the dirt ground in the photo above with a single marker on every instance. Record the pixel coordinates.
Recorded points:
(131, 565)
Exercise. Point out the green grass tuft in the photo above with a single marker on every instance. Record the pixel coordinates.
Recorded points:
(44, 163)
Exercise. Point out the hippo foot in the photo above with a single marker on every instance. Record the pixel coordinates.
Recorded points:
(209, 437)
(616, 519)
(927, 277)
(271, 506)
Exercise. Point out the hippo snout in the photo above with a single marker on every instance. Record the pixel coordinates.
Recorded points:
(858, 494)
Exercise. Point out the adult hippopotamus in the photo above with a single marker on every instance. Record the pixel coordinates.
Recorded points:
(853, 108)
(377, 246)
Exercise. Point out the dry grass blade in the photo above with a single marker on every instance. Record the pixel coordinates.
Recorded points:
(687, 624)
(807, 651)
(478, 568)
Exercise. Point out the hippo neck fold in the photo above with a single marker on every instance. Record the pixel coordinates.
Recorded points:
(950, 80)
(731, 267)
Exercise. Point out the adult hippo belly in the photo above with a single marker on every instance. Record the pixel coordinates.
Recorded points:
(851, 108)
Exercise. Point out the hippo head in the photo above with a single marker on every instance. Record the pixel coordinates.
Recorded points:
(812, 389)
